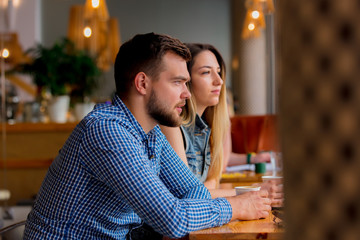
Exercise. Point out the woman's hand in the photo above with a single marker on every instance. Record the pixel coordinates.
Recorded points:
(261, 157)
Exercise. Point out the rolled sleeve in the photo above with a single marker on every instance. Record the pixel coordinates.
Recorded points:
(225, 211)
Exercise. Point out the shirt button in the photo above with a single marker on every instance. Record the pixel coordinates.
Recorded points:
(152, 156)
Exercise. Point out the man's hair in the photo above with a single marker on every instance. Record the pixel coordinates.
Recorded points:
(143, 53)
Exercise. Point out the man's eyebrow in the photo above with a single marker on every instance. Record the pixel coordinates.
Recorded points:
(181, 78)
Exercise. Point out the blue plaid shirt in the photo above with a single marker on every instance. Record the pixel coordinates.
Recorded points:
(110, 176)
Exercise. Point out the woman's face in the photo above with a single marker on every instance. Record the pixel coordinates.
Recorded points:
(205, 81)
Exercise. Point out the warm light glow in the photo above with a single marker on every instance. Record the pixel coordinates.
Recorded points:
(255, 14)
(251, 26)
(15, 3)
(87, 32)
(95, 3)
(5, 53)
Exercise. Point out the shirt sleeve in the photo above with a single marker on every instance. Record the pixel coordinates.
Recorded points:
(117, 158)
(178, 178)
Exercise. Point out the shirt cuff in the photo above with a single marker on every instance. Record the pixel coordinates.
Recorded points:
(225, 211)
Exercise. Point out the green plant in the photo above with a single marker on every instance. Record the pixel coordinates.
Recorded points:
(62, 69)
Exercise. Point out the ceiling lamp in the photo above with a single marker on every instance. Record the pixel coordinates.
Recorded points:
(254, 19)
(90, 27)
(10, 49)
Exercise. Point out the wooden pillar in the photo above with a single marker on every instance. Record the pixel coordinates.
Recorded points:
(319, 117)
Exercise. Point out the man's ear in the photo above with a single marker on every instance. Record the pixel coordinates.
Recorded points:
(141, 82)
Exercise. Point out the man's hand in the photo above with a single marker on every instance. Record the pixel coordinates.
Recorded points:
(275, 191)
(250, 205)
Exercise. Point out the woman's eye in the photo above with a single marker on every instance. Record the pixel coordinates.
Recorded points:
(204, 73)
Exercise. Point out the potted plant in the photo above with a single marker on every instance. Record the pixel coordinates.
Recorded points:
(83, 88)
(61, 69)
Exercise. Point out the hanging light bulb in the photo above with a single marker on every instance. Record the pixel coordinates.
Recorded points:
(5, 53)
(96, 8)
(251, 26)
(95, 3)
(87, 32)
(255, 14)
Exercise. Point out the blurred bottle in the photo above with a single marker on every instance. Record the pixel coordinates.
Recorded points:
(11, 104)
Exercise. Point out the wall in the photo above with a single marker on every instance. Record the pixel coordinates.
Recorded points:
(24, 21)
(190, 21)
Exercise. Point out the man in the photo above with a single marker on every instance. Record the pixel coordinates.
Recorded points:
(117, 172)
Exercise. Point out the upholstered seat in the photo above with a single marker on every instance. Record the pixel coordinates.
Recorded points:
(254, 133)
(13, 232)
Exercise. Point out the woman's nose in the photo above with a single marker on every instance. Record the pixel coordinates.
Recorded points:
(218, 80)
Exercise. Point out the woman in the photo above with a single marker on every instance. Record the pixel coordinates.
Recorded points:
(205, 116)
(206, 119)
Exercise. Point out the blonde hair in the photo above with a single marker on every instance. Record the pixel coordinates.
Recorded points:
(217, 116)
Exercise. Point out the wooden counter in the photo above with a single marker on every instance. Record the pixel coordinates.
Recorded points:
(29, 150)
(256, 229)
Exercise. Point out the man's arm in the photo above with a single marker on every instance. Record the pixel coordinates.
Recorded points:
(178, 178)
(119, 160)
(175, 138)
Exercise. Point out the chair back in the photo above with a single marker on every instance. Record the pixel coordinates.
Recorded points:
(254, 133)
(13, 232)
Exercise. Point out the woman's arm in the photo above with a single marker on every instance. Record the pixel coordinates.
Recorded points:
(175, 138)
(216, 193)
(233, 159)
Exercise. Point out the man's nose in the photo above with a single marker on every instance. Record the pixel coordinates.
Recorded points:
(186, 93)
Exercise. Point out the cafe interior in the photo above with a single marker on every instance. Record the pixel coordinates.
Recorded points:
(292, 81)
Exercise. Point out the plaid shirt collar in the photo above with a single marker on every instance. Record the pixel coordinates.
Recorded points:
(133, 123)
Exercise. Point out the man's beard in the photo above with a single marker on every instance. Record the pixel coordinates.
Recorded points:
(158, 111)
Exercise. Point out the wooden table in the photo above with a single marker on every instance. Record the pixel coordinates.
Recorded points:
(243, 230)
(242, 177)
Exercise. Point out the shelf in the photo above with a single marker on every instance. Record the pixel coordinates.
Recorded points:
(38, 127)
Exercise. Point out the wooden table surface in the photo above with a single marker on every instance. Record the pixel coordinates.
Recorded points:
(243, 230)
(242, 177)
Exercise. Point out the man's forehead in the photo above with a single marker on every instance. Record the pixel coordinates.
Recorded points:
(175, 64)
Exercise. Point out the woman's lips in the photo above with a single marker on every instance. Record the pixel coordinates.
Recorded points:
(216, 92)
